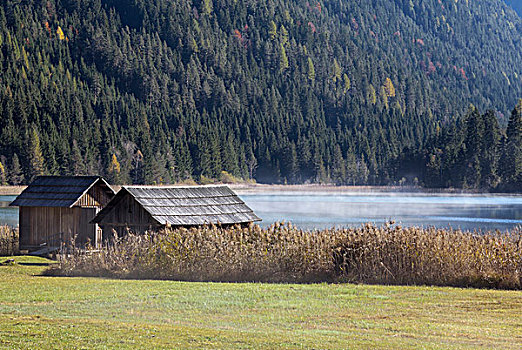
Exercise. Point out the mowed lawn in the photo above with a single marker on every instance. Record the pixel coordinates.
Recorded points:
(50, 312)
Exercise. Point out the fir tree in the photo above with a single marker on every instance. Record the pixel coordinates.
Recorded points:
(36, 160)
(490, 151)
(283, 61)
(513, 152)
(311, 70)
(272, 30)
(16, 175)
(77, 164)
(347, 83)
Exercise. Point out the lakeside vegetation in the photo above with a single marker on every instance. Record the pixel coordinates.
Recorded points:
(283, 253)
(100, 313)
(8, 240)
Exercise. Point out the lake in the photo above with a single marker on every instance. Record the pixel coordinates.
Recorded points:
(311, 210)
(8, 215)
(324, 210)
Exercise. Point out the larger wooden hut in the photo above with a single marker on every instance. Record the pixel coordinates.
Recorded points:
(142, 208)
(55, 209)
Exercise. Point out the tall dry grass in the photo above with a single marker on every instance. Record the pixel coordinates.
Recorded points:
(283, 253)
(8, 240)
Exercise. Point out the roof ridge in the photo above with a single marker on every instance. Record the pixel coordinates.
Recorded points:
(69, 176)
(191, 206)
(199, 215)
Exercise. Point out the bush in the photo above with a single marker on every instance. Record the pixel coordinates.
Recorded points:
(283, 253)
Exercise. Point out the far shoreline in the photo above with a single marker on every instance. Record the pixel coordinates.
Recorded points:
(250, 188)
(334, 189)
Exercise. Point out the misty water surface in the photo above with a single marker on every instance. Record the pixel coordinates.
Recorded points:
(321, 210)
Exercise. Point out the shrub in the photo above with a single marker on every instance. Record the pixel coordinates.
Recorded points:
(8, 240)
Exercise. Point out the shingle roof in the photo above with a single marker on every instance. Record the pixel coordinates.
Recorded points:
(187, 206)
(56, 191)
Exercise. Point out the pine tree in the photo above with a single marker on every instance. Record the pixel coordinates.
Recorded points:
(389, 88)
(362, 172)
(512, 169)
(272, 30)
(514, 129)
(336, 70)
(338, 167)
(384, 97)
(16, 176)
(283, 61)
(36, 159)
(205, 160)
(311, 70)
(293, 171)
(347, 83)
(208, 7)
(371, 96)
(474, 134)
(319, 168)
(351, 169)
(490, 151)
(153, 171)
(215, 157)
(77, 164)
(284, 35)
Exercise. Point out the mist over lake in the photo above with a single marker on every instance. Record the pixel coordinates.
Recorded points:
(323, 210)
(316, 210)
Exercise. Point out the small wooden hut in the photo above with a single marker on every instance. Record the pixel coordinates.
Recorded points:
(54, 209)
(142, 208)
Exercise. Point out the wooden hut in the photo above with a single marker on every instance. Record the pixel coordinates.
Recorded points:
(148, 208)
(54, 209)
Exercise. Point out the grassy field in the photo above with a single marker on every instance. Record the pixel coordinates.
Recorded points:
(61, 312)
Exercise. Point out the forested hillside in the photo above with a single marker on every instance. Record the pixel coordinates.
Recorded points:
(158, 91)
(472, 152)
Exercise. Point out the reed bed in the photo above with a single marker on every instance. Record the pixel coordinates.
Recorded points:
(283, 253)
(8, 240)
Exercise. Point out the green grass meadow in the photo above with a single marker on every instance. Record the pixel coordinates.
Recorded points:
(93, 313)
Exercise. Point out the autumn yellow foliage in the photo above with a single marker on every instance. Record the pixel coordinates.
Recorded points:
(60, 33)
(389, 88)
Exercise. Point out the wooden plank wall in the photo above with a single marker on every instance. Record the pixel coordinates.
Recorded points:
(49, 225)
(85, 230)
(96, 197)
(127, 214)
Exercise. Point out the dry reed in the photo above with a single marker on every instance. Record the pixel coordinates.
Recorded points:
(283, 253)
(8, 240)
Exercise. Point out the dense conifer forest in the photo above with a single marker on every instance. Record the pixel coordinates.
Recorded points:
(280, 91)
(471, 152)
